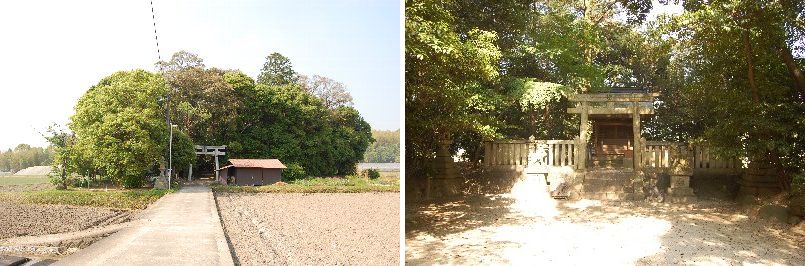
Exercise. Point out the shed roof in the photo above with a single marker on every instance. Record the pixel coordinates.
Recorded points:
(257, 163)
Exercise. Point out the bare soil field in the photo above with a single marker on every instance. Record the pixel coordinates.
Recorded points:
(38, 230)
(502, 229)
(39, 219)
(312, 229)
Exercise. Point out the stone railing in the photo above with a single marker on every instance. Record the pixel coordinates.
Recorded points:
(661, 154)
(554, 153)
(657, 154)
(706, 162)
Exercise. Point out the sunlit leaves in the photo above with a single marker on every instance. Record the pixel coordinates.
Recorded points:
(537, 95)
(119, 124)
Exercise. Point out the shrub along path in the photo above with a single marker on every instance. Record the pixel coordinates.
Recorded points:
(181, 228)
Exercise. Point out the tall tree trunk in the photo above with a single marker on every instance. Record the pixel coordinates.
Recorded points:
(750, 67)
(793, 69)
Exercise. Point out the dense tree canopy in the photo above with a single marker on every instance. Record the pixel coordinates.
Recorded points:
(385, 149)
(199, 99)
(277, 70)
(120, 128)
(729, 72)
(734, 81)
(288, 123)
(119, 124)
(24, 156)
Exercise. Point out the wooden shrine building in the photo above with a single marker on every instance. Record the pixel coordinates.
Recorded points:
(610, 128)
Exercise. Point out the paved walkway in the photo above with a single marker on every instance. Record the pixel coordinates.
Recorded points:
(180, 229)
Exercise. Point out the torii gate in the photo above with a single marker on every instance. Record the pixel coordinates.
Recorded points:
(208, 150)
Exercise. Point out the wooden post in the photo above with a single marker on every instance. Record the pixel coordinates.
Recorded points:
(583, 133)
(636, 151)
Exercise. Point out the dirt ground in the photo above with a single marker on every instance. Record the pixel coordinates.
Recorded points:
(312, 229)
(38, 219)
(500, 229)
(25, 187)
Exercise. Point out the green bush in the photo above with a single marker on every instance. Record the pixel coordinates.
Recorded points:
(372, 173)
(133, 182)
(80, 182)
(798, 184)
(293, 172)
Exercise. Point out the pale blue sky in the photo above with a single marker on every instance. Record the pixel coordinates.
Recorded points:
(53, 51)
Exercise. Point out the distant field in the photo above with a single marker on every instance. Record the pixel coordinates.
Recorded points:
(121, 199)
(390, 174)
(382, 167)
(23, 180)
(352, 184)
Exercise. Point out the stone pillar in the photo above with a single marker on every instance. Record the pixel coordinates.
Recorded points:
(161, 181)
(581, 146)
(681, 170)
(637, 151)
(445, 181)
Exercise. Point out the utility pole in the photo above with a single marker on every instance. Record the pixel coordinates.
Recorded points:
(170, 156)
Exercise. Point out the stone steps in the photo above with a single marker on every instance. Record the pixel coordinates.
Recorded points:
(609, 184)
(616, 196)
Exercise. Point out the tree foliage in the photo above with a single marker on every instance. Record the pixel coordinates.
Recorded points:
(734, 80)
(730, 72)
(63, 143)
(287, 123)
(119, 124)
(277, 71)
(481, 70)
(332, 93)
(200, 98)
(24, 156)
(385, 148)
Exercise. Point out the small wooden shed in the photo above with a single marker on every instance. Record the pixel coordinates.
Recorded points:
(251, 172)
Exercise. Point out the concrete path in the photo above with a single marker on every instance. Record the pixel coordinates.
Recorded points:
(179, 229)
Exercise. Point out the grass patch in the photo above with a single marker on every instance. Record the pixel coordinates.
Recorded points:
(23, 180)
(390, 174)
(351, 184)
(127, 199)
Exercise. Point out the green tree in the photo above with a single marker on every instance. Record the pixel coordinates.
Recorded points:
(63, 143)
(736, 83)
(277, 70)
(201, 101)
(119, 124)
(385, 148)
(184, 152)
(287, 123)
(444, 73)
(24, 156)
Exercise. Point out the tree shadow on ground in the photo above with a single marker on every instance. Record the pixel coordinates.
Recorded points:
(486, 229)
(448, 216)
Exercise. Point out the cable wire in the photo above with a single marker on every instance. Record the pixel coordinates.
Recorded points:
(156, 36)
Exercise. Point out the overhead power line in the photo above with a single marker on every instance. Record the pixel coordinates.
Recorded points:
(156, 36)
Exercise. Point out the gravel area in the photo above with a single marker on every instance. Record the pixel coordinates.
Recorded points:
(500, 229)
(36, 219)
(312, 229)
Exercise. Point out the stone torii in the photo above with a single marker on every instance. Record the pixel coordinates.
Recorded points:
(209, 150)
